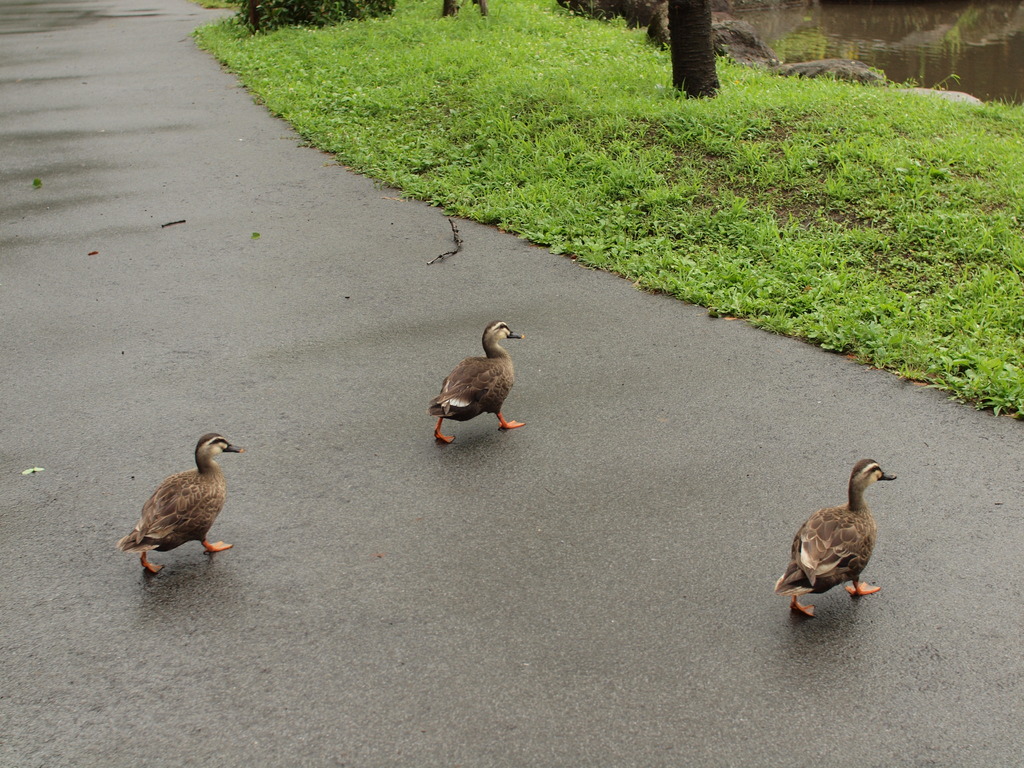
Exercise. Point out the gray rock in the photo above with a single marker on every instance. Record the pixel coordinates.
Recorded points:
(739, 41)
(960, 96)
(840, 69)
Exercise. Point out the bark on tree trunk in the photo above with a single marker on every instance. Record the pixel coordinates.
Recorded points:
(693, 53)
(451, 7)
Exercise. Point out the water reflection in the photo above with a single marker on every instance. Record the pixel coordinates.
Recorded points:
(961, 46)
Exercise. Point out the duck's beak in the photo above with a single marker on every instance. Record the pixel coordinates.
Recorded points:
(234, 449)
(887, 477)
(517, 336)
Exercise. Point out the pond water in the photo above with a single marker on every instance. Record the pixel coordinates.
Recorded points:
(957, 45)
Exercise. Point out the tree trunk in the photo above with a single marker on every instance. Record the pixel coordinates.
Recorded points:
(693, 53)
(451, 8)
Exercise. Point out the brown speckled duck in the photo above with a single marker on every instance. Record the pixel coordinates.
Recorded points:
(478, 384)
(835, 544)
(184, 506)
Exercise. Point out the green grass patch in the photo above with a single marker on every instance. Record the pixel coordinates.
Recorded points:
(873, 223)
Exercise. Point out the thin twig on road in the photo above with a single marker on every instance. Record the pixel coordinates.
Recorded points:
(458, 245)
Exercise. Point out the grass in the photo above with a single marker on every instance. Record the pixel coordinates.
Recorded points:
(873, 223)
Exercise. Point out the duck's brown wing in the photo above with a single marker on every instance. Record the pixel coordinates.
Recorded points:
(832, 546)
(475, 385)
(181, 509)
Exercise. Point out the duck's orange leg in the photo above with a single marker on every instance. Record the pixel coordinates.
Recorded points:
(509, 424)
(439, 436)
(860, 588)
(806, 610)
(151, 567)
(220, 546)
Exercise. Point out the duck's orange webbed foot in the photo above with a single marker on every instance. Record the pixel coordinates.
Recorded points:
(220, 546)
(151, 567)
(439, 436)
(806, 610)
(860, 588)
(509, 424)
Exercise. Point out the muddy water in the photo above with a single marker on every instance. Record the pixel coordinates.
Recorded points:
(977, 47)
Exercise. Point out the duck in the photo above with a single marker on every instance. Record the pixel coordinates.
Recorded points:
(478, 384)
(835, 544)
(184, 505)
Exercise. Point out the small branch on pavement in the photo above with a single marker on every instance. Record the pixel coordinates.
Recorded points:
(458, 245)
(172, 223)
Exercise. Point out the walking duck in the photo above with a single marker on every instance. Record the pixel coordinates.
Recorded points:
(478, 384)
(835, 544)
(184, 506)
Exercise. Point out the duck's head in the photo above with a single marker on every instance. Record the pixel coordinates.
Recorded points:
(498, 330)
(867, 471)
(211, 444)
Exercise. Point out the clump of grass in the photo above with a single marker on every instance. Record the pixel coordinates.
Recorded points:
(873, 223)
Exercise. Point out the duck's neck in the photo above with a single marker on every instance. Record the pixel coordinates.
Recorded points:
(856, 498)
(493, 349)
(206, 465)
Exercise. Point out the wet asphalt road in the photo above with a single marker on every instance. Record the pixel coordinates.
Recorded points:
(594, 589)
